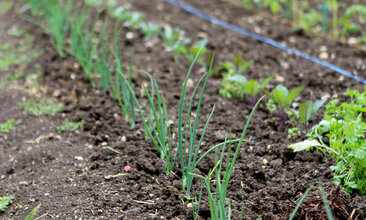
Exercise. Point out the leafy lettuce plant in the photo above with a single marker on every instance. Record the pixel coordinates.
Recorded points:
(283, 99)
(345, 128)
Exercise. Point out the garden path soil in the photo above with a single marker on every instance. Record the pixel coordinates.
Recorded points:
(80, 175)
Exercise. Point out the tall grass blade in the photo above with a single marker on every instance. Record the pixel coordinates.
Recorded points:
(31, 215)
(300, 202)
(325, 202)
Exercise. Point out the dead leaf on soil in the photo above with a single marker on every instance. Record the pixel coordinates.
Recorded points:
(42, 137)
(115, 176)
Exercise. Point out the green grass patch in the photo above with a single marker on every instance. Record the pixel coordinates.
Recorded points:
(5, 201)
(8, 125)
(10, 78)
(22, 53)
(70, 126)
(44, 107)
(5, 6)
(13, 58)
(31, 79)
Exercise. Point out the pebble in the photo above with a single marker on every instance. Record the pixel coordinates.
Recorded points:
(130, 35)
(202, 35)
(285, 65)
(323, 55)
(257, 30)
(323, 48)
(56, 93)
(332, 56)
(292, 40)
(279, 78)
(79, 158)
(352, 40)
(23, 183)
(189, 83)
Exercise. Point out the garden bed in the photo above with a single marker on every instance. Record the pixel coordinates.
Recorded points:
(83, 174)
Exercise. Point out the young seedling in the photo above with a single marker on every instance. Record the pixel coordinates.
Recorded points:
(134, 19)
(324, 198)
(5, 201)
(31, 215)
(196, 205)
(102, 62)
(309, 21)
(188, 150)
(122, 86)
(156, 124)
(199, 49)
(234, 83)
(174, 41)
(348, 26)
(253, 88)
(215, 68)
(151, 30)
(70, 126)
(8, 125)
(305, 114)
(308, 110)
(283, 99)
(219, 203)
(57, 18)
(120, 13)
(237, 67)
(83, 43)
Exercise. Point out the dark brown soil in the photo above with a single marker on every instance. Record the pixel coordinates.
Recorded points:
(80, 175)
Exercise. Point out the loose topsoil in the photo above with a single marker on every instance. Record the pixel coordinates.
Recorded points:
(80, 175)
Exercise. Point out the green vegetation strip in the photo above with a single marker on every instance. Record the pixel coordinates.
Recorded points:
(8, 125)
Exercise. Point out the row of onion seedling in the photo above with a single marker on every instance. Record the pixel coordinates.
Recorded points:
(89, 42)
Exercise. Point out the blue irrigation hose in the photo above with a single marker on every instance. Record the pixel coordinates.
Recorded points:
(266, 40)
